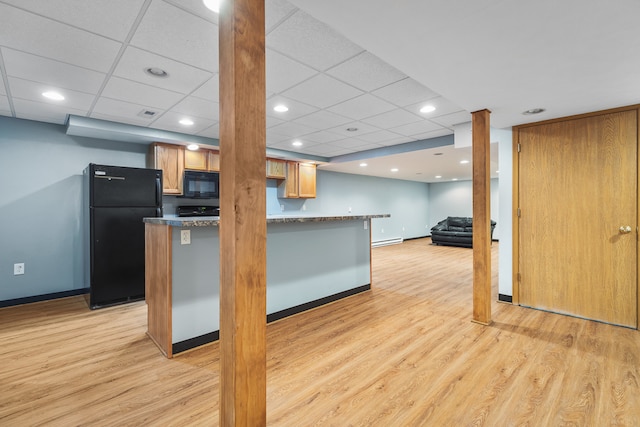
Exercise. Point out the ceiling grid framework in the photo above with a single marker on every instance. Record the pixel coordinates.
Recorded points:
(330, 62)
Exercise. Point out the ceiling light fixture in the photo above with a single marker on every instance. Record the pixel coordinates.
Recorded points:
(352, 129)
(213, 5)
(156, 72)
(454, 179)
(438, 176)
(428, 109)
(281, 108)
(394, 170)
(363, 165)
(55, 96)
(296, 143)
(186, 122)
(464, 162)
(193, 147)
(533, 111)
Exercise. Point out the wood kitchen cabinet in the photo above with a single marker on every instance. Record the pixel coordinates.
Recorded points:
(202, 160)
(169, 158)
(196, 159)
(300, 181)
(276, 169)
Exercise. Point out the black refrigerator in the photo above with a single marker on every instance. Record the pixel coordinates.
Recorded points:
(116, 200)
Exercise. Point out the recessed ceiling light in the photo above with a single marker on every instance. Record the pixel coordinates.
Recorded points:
(281, 108)
(464, 162)
(296, 143)
(394, 170)
(213, 5)
(497, 171)
(454, 179)
(156, 72)
(428, 109)
(363, 165)
(438, 176)
(186, 122)
(533, 111)
(55, 96)
(193, 147)
(352, 129)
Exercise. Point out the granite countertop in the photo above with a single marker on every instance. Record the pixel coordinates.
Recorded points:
(213, 221)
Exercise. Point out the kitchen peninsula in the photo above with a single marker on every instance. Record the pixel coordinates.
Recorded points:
(311, 260)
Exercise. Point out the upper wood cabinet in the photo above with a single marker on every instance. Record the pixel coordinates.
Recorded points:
(306, 180)
(276, 169)
(213, 161)
(202, 160)
(195, 160)
(300, 181)
(169, 158)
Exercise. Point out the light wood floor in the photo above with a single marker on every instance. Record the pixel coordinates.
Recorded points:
(404, 354)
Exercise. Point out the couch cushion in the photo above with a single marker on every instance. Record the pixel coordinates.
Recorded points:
(459, 221)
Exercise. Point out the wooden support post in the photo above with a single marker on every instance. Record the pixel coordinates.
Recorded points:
(481, 217)
(243, 225)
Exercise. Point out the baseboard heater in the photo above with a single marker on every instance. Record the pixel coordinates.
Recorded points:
(386, 242)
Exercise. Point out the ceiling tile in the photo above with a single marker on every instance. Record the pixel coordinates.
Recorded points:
(353, 143)
(322, 91)
(32, 91)
(322, 149)
(272, 121)
(182, 78)
(283, 73)
(296, 109)
(211, 131)
(4, 104)
(197, 107)
(450, 120)
(291, 130)
(58, 74)
(323, 119)
(183, 36)
(366, 72)
(109, 18)
(416, 128)
(197, 8)
(275, 12)
(210, 90)
(130, 91)
(405, 92)
(392, 119)
(323, 137)
(28, 32)
(384, 137)
(392, 141)
(311, 42)
(443, 107)
(126, 112)
(362, 128)
(361, 107)
(42, 112)
(170, 121)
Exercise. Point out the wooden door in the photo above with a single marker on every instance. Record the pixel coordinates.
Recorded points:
(577, 187)
(169, 158)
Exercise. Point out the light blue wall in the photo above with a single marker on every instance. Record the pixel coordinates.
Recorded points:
(456, 199)
(406, 201)
(40, 203)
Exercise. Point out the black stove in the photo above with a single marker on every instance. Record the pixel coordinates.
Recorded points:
(198, 211)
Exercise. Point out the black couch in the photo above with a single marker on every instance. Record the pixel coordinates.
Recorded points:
(455, 231)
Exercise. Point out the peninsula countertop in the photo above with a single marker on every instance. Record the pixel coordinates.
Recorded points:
(213, 221)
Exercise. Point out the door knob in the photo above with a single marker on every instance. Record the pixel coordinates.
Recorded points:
(625, 230)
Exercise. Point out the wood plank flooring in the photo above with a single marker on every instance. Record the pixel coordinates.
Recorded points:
(404, 354)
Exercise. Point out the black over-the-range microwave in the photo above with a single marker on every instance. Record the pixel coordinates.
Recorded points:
(201, 185)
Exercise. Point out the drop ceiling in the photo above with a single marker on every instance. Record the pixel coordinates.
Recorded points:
(337, 65)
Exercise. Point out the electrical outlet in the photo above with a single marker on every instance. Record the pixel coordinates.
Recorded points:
(185, 237)
(18, 268)
(349, 209)
(382, 230)
(304, 207)
(366, 224)
(281, 208)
